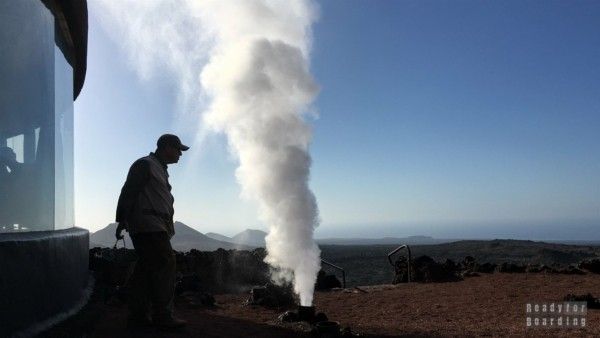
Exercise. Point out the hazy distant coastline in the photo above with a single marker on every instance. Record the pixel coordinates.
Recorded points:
(187, 238)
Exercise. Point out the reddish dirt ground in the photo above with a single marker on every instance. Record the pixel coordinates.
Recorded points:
(490, 305)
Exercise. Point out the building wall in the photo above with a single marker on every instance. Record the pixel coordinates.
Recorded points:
(44, 274)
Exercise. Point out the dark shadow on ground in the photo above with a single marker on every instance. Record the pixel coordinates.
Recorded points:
(99, 319)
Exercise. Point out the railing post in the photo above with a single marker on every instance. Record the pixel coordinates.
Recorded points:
(409, 258)
(338, 268)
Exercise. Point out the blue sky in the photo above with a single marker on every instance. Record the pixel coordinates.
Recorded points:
(435, 118)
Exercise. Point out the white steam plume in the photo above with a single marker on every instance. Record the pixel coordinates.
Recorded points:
(257, 80)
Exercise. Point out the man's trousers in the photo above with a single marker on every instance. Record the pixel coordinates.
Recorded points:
(152, 284)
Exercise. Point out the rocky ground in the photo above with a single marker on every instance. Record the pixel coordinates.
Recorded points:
(487, 305)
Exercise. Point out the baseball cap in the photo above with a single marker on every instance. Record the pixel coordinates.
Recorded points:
(170, 140)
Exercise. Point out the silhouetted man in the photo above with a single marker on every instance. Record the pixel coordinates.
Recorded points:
(8, 161)
(145, 210)
(9, 167)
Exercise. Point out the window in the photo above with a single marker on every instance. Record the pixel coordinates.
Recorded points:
(36, 121)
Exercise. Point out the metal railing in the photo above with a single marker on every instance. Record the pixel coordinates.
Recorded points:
(409, 258)
(338, 268)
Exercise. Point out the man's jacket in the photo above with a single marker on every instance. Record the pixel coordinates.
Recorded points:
(146, 203)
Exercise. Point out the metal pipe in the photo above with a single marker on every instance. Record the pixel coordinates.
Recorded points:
(336, 267)
(306, 313)
(409, 258)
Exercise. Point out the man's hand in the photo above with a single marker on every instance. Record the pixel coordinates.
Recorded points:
(120, 228)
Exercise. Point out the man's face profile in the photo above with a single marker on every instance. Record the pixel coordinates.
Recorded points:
(172, 154)
(7, 156)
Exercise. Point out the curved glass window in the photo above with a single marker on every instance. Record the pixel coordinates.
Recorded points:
(36, 121)
(63, 138)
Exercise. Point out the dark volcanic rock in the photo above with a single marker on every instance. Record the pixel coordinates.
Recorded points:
(571, 270)
(198, 299)
(271, 295)
(450, 265)
(216, 271)
(592, 302)
(469, 274)
(326, 282)
(486, 268)
(591, 265)
(320, 317)
(113, 267)
(289, 317)
(223, 270)
(468, 267)
(468, 264)
(547, 269)
(348, 333)
(511, 268)
(292, 316)
(188, 283)
(427, 270)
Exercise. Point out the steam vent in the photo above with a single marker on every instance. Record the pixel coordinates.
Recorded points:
(43, 256)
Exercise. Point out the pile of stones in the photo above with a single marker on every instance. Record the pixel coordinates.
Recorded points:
(590, 265)
(426, 270)
(223, 271)
(326, 281)
(272, 296)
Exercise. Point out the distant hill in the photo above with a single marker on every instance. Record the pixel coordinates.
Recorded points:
(574, 242)
(511, 250)
(368, 264)
(185, 239)
(250, 237)
(411, 240)
(219, 237)
(494, 251)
